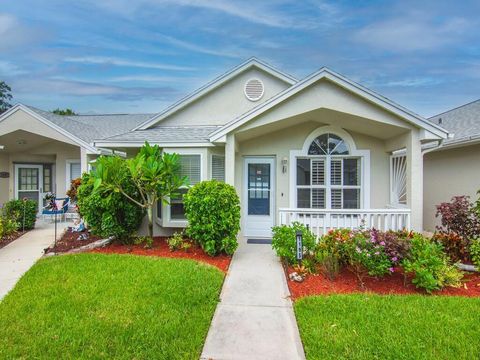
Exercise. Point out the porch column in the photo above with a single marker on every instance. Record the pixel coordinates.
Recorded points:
(83, 160)
(230, 160)
(415, 180)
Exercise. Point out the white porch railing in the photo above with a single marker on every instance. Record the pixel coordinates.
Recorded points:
(320, 221)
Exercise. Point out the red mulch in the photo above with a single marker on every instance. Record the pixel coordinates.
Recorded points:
(70, 241)
(160, 248)
(346, 282)
(8, 239)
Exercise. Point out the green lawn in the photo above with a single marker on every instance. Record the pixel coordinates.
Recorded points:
(389, 327)
(110, 306)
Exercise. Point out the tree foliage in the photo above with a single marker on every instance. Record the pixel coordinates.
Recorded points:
(5, 97)
(64, 112)
(151, 172)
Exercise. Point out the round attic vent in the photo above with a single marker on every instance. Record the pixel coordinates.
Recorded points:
(254, 89)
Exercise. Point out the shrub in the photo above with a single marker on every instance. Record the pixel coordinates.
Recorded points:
(285, 245)
(72, 192)
(8, 226)
(175, 242)
(430, 265)
(455, 246)
(212, 209)
(395, 243)
(366, 255)
(23, 212)
(147, 241)
(475, 252)
(109, 213)
(459, 216)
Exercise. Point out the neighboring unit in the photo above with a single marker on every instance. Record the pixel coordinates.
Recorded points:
(323, 150)
(453, 168)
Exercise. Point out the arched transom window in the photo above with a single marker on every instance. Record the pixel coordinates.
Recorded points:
(328, 176)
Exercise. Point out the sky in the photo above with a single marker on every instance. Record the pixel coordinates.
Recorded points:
(139, 56)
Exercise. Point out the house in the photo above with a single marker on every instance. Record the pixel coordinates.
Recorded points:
(453, 168)
(323, 150)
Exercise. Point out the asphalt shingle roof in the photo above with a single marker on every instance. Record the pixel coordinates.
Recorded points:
(463, 122)
(93, 127)
(167, 134)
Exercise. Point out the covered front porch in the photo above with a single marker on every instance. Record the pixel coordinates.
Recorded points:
(329, 159)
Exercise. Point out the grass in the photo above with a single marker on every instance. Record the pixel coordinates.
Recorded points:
(389, 327)
(109, 306)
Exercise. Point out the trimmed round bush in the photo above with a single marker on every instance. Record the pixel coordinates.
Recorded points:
(212, 209)
(109, 214)
(20, 210)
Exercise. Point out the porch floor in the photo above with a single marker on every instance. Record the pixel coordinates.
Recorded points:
(254, 319)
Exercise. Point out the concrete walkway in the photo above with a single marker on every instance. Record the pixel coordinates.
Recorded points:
(18, 256)
(255, 318)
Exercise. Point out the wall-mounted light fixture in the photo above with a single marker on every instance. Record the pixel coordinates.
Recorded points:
(284, 165)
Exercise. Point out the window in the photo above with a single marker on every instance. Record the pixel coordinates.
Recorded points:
(190, 166)
(75, 171)
(328, 177)
(218, 167)
(47, 178)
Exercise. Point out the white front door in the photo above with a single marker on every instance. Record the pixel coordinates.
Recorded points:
(259, 195)
(29, 183)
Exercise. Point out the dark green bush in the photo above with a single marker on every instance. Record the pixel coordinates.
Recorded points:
(430, 265)
(109, 214)
(285, 245)
(20, 210)
(212, 209)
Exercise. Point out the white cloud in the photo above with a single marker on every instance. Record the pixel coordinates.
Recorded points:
(103, 60)
(412, 33)
(9, 69)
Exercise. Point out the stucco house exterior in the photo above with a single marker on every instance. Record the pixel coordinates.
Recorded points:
(454, 167)
(323, 150)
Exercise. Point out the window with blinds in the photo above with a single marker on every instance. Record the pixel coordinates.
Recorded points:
(218, 168)
(190, 166)
(328, 182)
(75, 171)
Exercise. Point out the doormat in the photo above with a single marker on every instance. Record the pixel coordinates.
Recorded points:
(259, 241)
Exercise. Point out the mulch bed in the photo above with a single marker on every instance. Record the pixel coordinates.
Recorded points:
(8, 239)
(70, 241)
(160, 248)
(346, 283)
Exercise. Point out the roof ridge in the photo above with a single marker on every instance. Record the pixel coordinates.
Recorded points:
(455, 108)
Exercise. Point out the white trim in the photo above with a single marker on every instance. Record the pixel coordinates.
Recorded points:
(68, 164)
(136, 144)
(364, 156)
(40, 181)
(182, 103)
(47, 122)
(325, 73)
(273, 211)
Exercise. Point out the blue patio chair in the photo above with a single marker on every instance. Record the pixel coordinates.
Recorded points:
(61, 211)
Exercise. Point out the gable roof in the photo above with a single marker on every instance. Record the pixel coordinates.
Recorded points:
(463, 122)
(165, 135)
(325, 73)
(53, 122)
(212, 85)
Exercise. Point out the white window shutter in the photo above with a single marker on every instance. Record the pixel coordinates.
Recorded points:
(190, 166)
(336, 172)
(318, 172)
(75, 171)
(218, 167)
